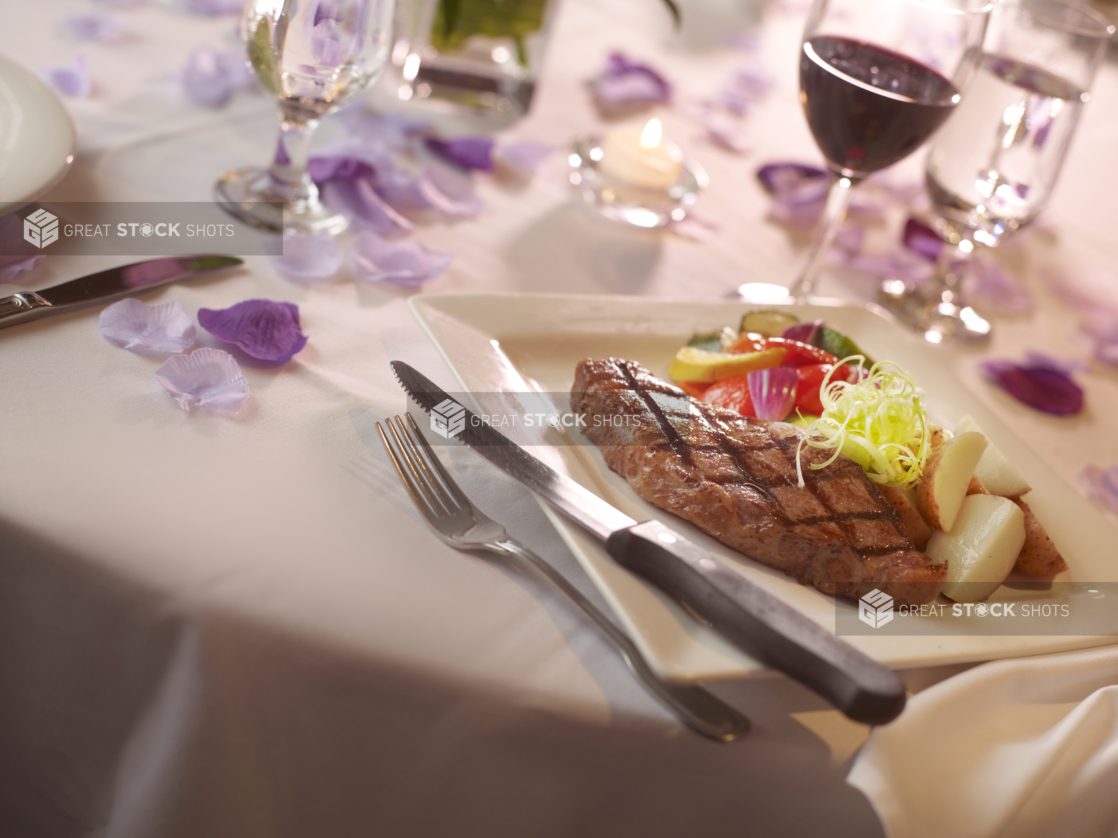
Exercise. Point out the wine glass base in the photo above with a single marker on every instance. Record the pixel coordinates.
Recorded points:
(244, 194)
(935, 317)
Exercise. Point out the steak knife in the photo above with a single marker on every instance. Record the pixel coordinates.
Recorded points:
(104, 285)
(745, 614)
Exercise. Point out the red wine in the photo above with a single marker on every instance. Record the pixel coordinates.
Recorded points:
(868, 107)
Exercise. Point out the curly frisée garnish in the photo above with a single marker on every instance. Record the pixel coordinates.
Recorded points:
(877, 421)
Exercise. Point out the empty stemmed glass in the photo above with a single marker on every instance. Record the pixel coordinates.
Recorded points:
(877, 78)
(992, 168)
(312, 56)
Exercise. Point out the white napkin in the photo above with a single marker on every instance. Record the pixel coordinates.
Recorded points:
(1024, 747)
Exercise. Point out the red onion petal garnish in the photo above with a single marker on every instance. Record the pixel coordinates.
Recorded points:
(773, 392)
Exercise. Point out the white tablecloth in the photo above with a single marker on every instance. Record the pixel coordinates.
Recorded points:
(240, 627)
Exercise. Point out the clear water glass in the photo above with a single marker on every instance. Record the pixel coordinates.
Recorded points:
(312, 56)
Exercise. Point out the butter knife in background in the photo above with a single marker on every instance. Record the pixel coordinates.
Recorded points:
(745, 614)
(105, 285)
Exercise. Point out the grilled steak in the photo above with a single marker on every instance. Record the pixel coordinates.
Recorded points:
(735, 477)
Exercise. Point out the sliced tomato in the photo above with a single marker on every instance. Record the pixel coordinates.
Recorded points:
(811, 378)
(746, 342)
(732, 393)
(798, 354)
(693, 388)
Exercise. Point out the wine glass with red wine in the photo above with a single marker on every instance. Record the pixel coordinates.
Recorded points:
(877, 78)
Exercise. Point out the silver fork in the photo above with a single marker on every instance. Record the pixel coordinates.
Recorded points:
(462, 525)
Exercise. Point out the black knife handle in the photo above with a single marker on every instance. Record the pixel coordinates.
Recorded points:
(759, 623)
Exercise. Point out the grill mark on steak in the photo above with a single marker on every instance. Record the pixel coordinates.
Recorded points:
(736, 478)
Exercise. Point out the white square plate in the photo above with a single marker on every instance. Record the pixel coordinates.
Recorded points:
(503, 346)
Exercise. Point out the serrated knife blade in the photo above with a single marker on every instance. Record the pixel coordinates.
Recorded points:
(745, 614)
(105, 285)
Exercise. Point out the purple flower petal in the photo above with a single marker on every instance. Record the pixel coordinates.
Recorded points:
(91, 26)
(744, 88)
(164, 329)
(211, 77)
(264, 329)
(70, 80)
(725, 131)
(773, 392)
(988, 280)
(1101, 485)
(1064, 366)
(521, 159)
(625, 85)
(308, 258)
(1043, 389)
(467, 152)
(408, 263)
(694, 226)
(922, 239)
(13, 266)
(360, 201)
(779, 178)
(213, 7)
(1102, 332)
(208, 378)
(449, 191)
(898, 264)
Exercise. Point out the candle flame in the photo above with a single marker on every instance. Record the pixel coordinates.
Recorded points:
(653, 131)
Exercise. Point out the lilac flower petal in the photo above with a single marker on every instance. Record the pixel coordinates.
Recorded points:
(785, 177)
(1043, 389)
(308, 258)
(211, 77)
(467, 152)
(70, 80)
(695, 226)
(1102, 332)
(988, 280)
(903, 265)
(323, 169)
(408, 263)
(744, 88)
(213, 7)
(264, 329)
(773, 392)
(1101, 485)
(360, 201)
(725, 131)
(449, 191)
(164, 329)
(208, 378)
(522, 159)
(922, 239)
(13, 266)
(627, 85)
(91, 26)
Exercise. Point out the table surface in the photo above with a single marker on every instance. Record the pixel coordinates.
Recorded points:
(239, 626)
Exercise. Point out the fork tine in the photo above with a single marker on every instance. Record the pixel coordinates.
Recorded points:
(418, 496)
(444, 488)
(420, 475)
(456, 492)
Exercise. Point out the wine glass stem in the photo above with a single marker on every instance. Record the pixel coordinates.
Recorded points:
(839, 195)
(290, 182)
(951, 266)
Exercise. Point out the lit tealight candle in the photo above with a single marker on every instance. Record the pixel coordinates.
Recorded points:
(641, 158)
